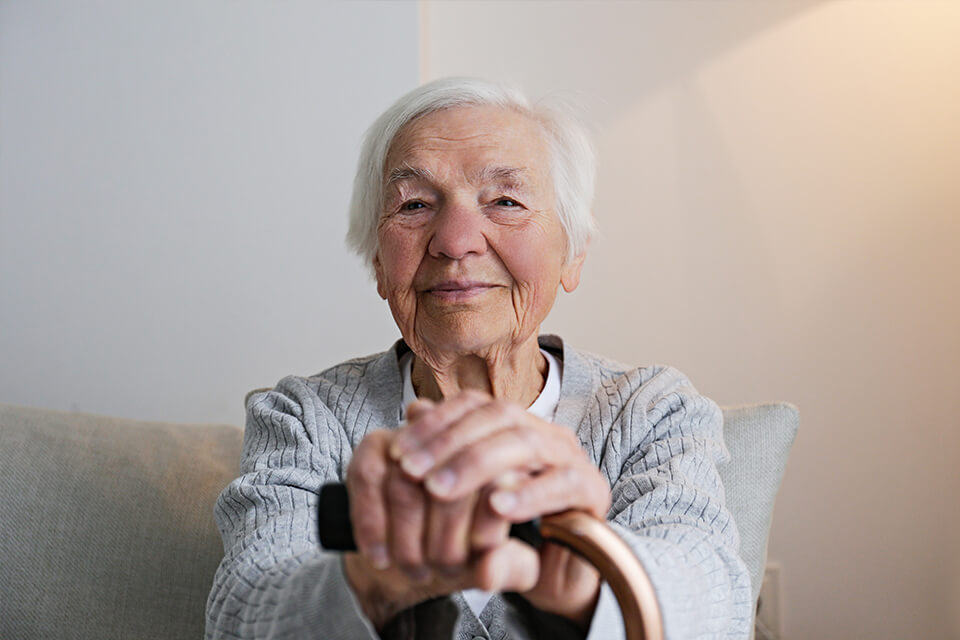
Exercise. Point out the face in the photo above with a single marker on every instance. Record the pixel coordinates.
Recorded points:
(471, 251)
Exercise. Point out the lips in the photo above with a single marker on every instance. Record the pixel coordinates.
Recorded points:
(458, 290)
(459, 285)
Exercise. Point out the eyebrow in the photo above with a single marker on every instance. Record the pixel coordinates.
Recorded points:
(408, 172)
(512, 176)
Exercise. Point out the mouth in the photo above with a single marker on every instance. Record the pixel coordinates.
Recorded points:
(458, 290)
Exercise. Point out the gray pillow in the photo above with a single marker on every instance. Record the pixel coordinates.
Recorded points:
(759, 438)
(106, 524)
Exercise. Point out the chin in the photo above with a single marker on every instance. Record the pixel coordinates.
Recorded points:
(469, 337)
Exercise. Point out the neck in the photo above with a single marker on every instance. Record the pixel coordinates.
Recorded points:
(516, 376)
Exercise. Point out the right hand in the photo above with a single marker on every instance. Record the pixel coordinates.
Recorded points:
(413, 547)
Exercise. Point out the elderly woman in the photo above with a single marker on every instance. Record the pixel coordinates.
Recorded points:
(472, 208)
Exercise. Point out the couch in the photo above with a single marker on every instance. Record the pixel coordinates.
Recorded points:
(106, 524)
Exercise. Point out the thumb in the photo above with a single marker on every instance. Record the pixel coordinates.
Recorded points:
(511, 566)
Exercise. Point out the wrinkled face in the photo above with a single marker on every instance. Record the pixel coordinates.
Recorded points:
(471, 251)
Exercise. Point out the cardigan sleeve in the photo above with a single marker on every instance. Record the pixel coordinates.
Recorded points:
(661, 457)
(275, 581)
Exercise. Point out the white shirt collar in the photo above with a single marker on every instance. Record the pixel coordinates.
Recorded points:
(544, 407)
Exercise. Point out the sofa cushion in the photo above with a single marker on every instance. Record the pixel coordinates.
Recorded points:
(107, 524)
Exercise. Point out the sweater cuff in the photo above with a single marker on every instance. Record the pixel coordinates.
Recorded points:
(330, 607)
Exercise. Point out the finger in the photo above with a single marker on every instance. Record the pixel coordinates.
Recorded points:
(512, 566)
(368, 510)
(563, 569)
(448, 535)
(489, 528)
(406, 511)
(532, 447)
(557, 489)
(470, 427)
(568, 585)
(418, 408)
(435, 419)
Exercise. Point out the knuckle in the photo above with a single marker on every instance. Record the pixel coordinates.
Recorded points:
(528, 439)
(443, 441)
(366, 534)
(425, 423)
(571, 476)
(368, 525)
(368, 466)
(408, 557)
(471, 458)
(367, 471)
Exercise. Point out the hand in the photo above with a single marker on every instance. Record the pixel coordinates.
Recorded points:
(414, 547)
(470, 443)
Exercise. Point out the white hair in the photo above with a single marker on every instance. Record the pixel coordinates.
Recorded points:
(573, 163)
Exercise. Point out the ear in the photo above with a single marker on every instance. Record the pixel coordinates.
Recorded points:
(570, 273)
(378, 271)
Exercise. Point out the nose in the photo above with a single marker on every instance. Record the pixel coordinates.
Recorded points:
(457, 232)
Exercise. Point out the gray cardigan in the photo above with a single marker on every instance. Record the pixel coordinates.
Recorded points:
(652, 436)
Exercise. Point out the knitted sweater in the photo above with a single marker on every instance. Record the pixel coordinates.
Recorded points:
(648, 431)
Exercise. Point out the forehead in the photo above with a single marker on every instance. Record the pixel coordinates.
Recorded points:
(471, 139)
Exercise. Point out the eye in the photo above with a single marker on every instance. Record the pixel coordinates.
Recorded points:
(412, 205)
(507, 202)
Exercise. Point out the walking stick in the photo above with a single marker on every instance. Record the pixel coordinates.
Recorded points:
(593, 539)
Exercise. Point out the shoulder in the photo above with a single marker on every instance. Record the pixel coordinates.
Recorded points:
(624, 414)
(584, 370)
(603, 391)
(367, 387)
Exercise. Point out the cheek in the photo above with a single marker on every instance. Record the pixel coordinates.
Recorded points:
(534, 262)
(399, 257)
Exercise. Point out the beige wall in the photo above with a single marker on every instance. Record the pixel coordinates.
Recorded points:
(779, 200)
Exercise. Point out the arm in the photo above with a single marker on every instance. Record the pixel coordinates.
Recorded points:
(274, 580)
(667, 503)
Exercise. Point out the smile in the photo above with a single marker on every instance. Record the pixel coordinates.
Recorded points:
(458, 290)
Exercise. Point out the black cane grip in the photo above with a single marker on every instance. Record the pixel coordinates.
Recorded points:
(336, 532)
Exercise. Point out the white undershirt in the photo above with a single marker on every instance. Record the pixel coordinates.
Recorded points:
(544, 407)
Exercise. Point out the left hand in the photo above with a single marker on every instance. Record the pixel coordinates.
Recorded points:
(473, 444)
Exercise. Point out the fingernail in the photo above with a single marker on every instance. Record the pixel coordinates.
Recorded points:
(508, 480)
(379, 557)
(503, 502)
(417, 463)
(441, 482)
(400, 446)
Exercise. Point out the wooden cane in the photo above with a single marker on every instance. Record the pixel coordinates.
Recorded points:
(595, 541)
(591, 538)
